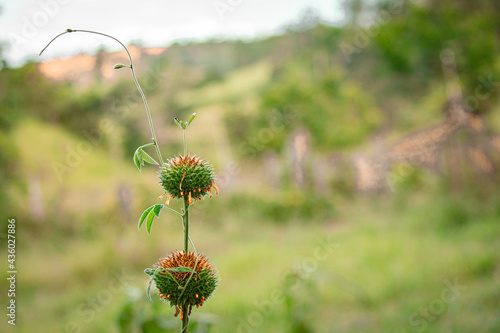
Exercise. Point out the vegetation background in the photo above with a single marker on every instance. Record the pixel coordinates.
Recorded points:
(300, 244)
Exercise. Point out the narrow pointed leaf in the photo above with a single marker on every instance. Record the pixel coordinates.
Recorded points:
(181, 269)
(177, 122)
(149, 220)
(192, 118)
(140, 156)
(148, 158)
(143, 216)
(157, 209)
(137, 159)
(118, 66)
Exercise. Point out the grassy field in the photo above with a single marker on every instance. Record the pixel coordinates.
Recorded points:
(379, 268)
(419, 262)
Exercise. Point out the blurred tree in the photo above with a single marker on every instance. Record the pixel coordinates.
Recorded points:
(323, 102)
(411, 39)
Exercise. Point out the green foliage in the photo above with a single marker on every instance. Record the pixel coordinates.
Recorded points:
(300, 294)
(20, 98)
(24, 93)
(334, 109)
(140, 156)
(9, 174)
(284, 208)
(148, 215)
(184, 124)
(411, 41)
(83, 111)
(238, 126)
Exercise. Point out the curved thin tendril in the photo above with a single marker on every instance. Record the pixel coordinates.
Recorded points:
(133, 77)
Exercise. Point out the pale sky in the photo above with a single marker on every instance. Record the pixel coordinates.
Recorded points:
(27, 25)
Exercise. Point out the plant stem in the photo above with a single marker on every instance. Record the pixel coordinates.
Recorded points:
(185, 143)
(173, 210)
(186, 224)
(185, 220)
(185, 320)
(133, 76)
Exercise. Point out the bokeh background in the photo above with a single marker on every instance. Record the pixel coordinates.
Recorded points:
(357, 147)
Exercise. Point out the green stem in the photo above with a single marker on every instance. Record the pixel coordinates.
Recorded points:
(173, 211)
(133, 76)
(185, 220)
(185, 142)
(185, 320)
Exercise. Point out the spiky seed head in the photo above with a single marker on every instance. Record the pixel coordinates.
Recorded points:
(184, 288)
(187, 176)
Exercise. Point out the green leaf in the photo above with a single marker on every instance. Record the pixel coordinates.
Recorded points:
(138, 158)
(180, 123)
(143, 216)
(157, 209)
(180, 269)
(149, 220)
(118, 66)
(148, 158)
(192, 118)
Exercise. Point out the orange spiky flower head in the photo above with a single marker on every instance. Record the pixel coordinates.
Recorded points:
(184, 279)
(187, 176)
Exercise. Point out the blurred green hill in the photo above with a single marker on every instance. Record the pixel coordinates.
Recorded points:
(381, 136)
